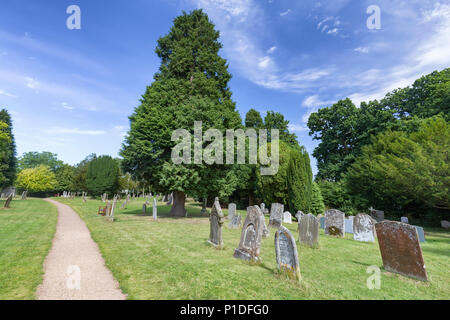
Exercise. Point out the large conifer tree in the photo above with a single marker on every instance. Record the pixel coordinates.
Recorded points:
(8, 161)
(191, 85)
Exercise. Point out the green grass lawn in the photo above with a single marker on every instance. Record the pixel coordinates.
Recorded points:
(170, 259)
(26, 233)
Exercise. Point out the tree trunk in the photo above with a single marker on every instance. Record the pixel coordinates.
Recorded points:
(250, 198)
(178, 209)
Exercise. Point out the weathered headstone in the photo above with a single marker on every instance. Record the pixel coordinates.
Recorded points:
(400, 249)
(203, 211)
(24, 195)
(363, 228)
(8, 201)
(378, 215)
(250, 243)
(265, 230)
(216, 219)
(299, 215)
(263, 208)
(276, 215)
(144, 208)
(286, 253)
(108, 208)
(308, 230)
(404, 219)
(231, 210)
(321, 221)
(445, 224)
(349, 224)
(334, 223)
(235, 222)
(155, 209)
(420, 233)
(113, 207)
(287, 217)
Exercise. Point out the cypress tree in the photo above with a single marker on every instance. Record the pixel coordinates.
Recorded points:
(8, 161)
(102, 176)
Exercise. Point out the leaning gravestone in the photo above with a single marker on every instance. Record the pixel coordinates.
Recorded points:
(250, 243)
(235, 222)
(155, 209)
(400, 249)
(276, 215)
(231, 210)
(8, 201)
(287, 217)
(308, 230)
(363, 228)
(349, 224)
(286, 253)
(404, 219)
(216, 219)
(334, 223)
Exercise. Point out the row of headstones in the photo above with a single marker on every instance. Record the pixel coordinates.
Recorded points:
(68, 194)
(398, 241)
(253, 230)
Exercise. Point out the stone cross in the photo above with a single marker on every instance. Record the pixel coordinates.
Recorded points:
(250, 243)
(286, 253)
(216, 219)
(308, 230)
(363, 228)
(335, 223)
(276, 215)
(400, 249)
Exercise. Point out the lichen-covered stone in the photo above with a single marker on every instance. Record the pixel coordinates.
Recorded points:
(308, 230)
(216, 219)
(276, 215)
(286, 253)
(400, 249)
(334, 223)
(363, 228)
(250, 243)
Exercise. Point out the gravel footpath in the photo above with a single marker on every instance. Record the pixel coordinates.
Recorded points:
(74, 253)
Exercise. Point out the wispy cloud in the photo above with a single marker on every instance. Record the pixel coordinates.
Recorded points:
(76, 131)
(284, 13)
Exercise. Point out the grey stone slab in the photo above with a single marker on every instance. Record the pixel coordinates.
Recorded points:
(286, 253)
(335, 223)
(251, 235)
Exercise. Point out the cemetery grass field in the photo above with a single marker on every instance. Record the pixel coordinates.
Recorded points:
(26, 234)
(170, 259)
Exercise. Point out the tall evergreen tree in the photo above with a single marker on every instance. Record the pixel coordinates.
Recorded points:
(102, 176)
(8, 161)
(299, 180)
(191, 85)
(253, 119)
(316, 204)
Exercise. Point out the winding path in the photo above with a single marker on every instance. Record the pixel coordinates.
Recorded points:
(74, 253)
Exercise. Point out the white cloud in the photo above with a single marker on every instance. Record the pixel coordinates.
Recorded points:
(31, 83)
(271, 50)
(298, 128)
(333, 31)
(58, 130)
(362, 49)
(313, 103)
(285, 12)
(66, 106)
(7, 94)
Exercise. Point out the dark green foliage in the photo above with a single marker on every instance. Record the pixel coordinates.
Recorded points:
(79, 175)
(275, 120)
(192, 85)
(8, 161)
(401, 171)
(102, 176)
(65, 176)
(31, 160)
(299, 180)
(253, 119)
(316, 205)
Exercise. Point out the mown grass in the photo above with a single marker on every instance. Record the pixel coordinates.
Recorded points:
(170, 259)
(26, 233)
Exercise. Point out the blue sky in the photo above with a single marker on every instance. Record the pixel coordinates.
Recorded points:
(71, 91)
